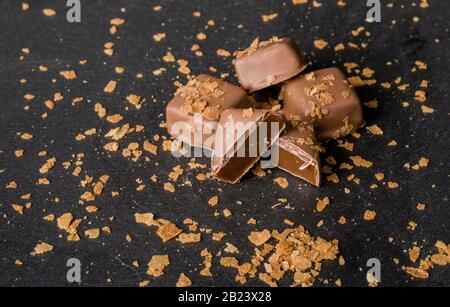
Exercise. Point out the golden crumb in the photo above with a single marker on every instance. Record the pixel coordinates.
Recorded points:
(227, 212)
(375, 130)
(421, 207)
(135, 100)
(112, 146)
(417, 273)
(41, 248)
(379, 176)
(49, 12)
(68, 74)
(393, 185)
(167, 231)
(183, 281)
(251, 221)
(213, 201)
(159, 37)
(169, 187)
(270, 17)
(117, 22)
(186, 238)
(223, 53)
(322, 204)
(17, 208)
(218, 236)
(114, 119)
(360, 162)
(259, 238)
(92, 233)
(157, 265)
(320, 44)
(63, 222)
(414, 253)
(282, 182)
(297, 2)
(427, 110)
(146, 219)
(201, 36)
(369, 215)
(26, 136)
(110, 87)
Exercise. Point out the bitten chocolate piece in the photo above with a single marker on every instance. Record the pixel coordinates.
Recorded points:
(267, 63)
(242, 136)
(299, 154)
(193, 114)
(326, 99)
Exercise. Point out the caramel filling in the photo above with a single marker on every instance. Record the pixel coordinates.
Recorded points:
(306, 169)
(233, 168)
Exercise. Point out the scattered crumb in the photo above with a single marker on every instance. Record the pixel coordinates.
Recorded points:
(184, 281)
(282, 182)
(259, 238)
(157, 265)
(369, 215)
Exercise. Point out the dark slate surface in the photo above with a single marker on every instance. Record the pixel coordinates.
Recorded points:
(60, 45)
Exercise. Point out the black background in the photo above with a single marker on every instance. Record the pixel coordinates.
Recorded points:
(60, 45)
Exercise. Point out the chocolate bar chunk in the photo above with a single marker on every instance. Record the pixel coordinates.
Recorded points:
(267, 63)
(298, 154)
(243, 135)
(326, 99)
(194, 112)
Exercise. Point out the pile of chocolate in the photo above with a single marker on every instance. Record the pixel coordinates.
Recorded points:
(317, 107)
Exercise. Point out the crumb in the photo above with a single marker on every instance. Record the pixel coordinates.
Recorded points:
(270, 17)
(159, 37)
(49, 12)
(360, 162)
(186, 238)
(251, 221)
(227, 213)
(167, 231)
(322, 204)
(201, 36)
(213, 201)
(223, 53)
(92, 233)
(393, 185)
(41, 248)
(421, 207)
(183, 281)
(282, 182)
(320, 44)
(157, 265)
(259, 238)
(68, 74)
(414, 253)
(375, 130)
(369, 215)
(169, 187)
(110, 87)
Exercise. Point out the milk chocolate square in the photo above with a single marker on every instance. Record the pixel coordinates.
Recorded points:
(268, 63)
(326, 99)
(194, 112)
(298, 153)
(242, 137)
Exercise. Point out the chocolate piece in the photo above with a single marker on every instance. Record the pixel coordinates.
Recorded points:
(298, 154)
(241, 138)
(194, 112)
(267, 63)
(326, 99)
